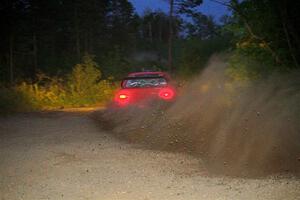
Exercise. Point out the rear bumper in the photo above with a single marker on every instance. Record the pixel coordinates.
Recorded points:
(142, 104)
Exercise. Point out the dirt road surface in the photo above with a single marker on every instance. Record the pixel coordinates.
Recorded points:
(63, 155)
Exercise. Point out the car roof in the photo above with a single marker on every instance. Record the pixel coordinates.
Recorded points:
(147, 74)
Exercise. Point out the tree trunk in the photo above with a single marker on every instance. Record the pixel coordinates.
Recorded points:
(91, 43)
(78, 52)
(35, 59)
(86, 43)
(11, 59)
(170, 53)
(283, 14)
(290, 45)
(160, 30)
(150, 32)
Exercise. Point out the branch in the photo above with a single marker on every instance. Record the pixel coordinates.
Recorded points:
(249, 28)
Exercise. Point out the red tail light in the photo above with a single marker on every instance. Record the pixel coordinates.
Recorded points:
(167, 94)
(123, 96)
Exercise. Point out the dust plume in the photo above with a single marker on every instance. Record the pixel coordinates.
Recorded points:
(236, 128)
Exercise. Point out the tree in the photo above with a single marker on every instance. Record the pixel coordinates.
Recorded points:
(181, 7)
(120, 23)
(11, 13)
(52, 36)
(275, 35)
(202, 26)
(155, 26)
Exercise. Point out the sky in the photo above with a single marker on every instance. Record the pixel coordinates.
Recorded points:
(208, 7)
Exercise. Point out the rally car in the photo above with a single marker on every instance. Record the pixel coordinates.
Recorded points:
(141, 88)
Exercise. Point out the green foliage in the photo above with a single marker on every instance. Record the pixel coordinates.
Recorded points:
(115, 62)
(83, 87)
(84, 77)
(55, 34)
(202, 26)
(47, 92)
(251, 60)
(155, 27)
(268, 28)
(196, 53)
(242, 68)
(13, 100)
(64, 30)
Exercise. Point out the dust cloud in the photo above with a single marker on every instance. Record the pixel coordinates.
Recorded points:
(247, 129)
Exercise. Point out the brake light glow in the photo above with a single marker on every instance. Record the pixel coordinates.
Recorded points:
(167, 94)
(123, 96)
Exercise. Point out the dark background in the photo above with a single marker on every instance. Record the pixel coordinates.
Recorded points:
(50, 37)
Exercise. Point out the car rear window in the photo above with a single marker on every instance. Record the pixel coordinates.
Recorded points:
(145, 82)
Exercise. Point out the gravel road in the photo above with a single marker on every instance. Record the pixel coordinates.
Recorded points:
(65, 155)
